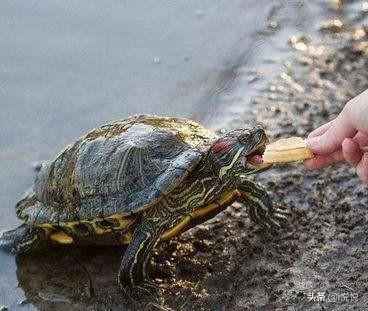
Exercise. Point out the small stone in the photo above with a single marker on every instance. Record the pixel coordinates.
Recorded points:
(199, 13)
(299, 43)
(300, 46)
(23, 302)
(365, 6)
(273, 24)
(359, 33)
(37, 166)
(156, 60)
(289, 80)
(316, 51)
(333, 25)
(361, 48)
(254, 76)
(336, 4)
(272, 88)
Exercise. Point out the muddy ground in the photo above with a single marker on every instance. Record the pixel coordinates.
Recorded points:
(318, 261)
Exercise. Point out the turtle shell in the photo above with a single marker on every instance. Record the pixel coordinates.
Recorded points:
(121, 167)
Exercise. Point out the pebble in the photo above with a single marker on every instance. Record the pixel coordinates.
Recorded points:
(273, 24)
(36, 166)
(365, 6)
(156, 60)
(359, 34)
(23, 302)
(199, 13)
(255, 76)
(333, 25)
(299, 43)
(336, 4)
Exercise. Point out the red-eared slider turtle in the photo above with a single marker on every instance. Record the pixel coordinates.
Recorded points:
(137, 181)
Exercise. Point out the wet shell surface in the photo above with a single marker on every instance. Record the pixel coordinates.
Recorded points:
(120, 168)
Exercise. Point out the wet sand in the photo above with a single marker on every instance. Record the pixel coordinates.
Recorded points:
(229, 263)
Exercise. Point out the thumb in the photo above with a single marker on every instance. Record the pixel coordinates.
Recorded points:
(332, 139)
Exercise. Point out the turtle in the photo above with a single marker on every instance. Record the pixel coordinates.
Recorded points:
(137, 181)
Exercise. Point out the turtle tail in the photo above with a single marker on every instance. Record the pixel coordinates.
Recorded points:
(23, 239)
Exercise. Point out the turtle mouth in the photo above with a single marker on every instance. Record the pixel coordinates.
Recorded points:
(255, 157)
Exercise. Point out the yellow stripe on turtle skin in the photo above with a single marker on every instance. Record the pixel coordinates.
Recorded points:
(226, 199)
(47, 226)
(61, 238)
(177, 229)
(124, 222)
(224, 169)
(185, 223)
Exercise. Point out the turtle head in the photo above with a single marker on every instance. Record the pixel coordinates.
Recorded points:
(239, 152)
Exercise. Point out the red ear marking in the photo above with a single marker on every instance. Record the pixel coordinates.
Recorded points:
(221, 145)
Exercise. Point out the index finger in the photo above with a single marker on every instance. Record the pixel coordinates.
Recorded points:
(332, 139)
(320, 130)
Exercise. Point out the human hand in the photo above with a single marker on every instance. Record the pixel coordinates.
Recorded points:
(343, 139)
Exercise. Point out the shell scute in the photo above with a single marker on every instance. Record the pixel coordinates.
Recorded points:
(119, 168)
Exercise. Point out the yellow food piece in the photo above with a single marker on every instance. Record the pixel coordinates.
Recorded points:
(287, 150)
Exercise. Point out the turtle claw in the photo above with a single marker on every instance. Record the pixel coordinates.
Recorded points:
(270, 224)
(275, 217)
(282, 211)
(279, 215)
(274, 223)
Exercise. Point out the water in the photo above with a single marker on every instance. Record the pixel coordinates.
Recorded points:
(69, 66)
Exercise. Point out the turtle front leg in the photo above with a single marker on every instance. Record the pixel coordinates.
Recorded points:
(259, 205)
(133, 277)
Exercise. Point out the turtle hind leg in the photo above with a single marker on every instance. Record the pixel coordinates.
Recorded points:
(23, 239)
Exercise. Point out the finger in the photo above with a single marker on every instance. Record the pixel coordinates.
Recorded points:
(351, 151)
(359, 112)
(362, 168)
(332, 139)
(320, 161)
(361, 139)
(320, 130)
